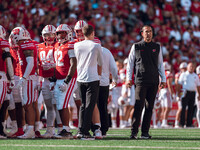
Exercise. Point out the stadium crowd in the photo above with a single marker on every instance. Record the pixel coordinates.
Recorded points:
(117, 22)
(175, 24)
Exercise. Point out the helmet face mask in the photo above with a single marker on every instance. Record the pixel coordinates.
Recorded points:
(63, 33)
(49, 34)
(2, 32)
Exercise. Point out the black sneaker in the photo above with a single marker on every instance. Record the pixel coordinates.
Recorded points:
(146, 136)
(87, 137)
(64, 134)
(133, 136)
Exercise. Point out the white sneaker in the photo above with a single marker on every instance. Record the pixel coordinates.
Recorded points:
(48, 134)
(165, 126)
(28, 135)
(98, 134)
(14, 128)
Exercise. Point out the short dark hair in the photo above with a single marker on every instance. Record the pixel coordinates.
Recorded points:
(87, 30)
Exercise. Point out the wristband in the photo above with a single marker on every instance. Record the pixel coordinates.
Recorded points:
(67, 79)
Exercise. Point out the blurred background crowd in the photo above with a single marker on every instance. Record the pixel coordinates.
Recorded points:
(117, 22)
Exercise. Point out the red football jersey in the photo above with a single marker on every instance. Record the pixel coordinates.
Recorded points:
(46, 54)
(62, 58)
(3, 44)
(16, 63)
(27, 45)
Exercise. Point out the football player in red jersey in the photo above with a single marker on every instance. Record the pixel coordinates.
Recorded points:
(5, 66)
(28, 80)
(64, 73)
(16, 92)
(46, 71)
(96, 116)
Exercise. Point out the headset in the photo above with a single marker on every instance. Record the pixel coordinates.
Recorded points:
(141, 30)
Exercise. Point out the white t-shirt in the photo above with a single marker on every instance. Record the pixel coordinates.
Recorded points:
(88, 55)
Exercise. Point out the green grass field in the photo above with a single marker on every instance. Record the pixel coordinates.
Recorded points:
(116, 139)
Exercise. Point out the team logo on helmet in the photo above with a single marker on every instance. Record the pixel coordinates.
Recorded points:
(19, 33)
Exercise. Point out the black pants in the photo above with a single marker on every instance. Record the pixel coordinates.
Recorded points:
(188, 100)
(144, 95)
(89, 94)
(102, 105)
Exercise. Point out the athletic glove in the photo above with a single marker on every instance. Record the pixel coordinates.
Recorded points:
(63, 86)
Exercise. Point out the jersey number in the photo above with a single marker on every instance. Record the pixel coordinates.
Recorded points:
(58, 58)
(48, 57)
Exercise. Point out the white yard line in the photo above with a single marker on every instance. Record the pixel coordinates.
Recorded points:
(94, 146)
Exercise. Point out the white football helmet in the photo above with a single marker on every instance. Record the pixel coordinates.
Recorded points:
(51, 30)
(198, 69)
(67, 29)
(17, 34)
(166, 66)
(78, 29)
(2, 32)
(183, 65)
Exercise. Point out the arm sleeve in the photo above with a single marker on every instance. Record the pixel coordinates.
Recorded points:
(160, 67)
(100, 56)
(113, 67)
(130, 65)
(10, 68)
(29, 67)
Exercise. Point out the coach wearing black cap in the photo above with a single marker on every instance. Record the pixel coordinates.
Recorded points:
(146, 61)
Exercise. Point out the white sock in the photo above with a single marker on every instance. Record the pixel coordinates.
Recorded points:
(164, 121)
(114, 123)
(30, 128)
(130, 120)
(158, 123)
(71, 123)
(66, 128)
(176, 122)
(37, 125)
(121, 123)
